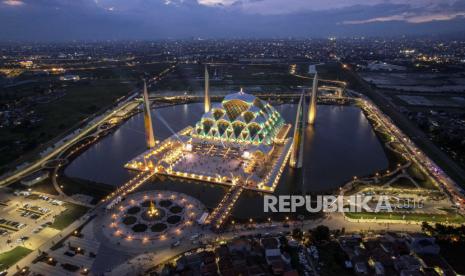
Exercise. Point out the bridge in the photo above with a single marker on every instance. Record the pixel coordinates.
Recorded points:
(130, 186)
(220, 214)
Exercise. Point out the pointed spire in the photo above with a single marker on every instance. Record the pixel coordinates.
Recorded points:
(297, 143)
(149, 136)
(313, 99)
(207, 91)
(241, 91)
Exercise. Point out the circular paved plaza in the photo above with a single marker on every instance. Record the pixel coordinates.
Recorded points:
(152, 215)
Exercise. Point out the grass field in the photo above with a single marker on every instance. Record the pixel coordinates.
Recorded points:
(253, 78)
(97, 90)
(417, 217)
(72, 213)
(96, 190)
(81, 101)
(11, 257)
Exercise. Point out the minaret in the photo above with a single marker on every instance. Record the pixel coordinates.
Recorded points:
(207, 92)
(313, 98)
(149, 137)
(297, 144)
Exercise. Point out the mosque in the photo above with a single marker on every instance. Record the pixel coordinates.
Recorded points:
(241, 140)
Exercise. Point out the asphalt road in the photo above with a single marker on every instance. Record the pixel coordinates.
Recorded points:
(456, 172)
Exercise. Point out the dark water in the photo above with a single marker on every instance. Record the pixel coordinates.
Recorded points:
(341, 144)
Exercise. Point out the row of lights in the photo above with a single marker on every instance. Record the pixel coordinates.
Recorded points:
(271, 188)
(226, 212)
(139, 179)
(369, 107)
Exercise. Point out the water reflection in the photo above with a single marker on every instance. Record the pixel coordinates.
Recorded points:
(340, 145)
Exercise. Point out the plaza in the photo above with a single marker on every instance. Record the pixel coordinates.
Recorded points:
(152, 216)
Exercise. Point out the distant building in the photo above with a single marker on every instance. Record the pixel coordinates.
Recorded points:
(70, 78)
(26, 63)
(383, 66)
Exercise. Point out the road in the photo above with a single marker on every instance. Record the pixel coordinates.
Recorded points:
(387, 114)
(442, 180)
(94, 124)
(416, 135)
(334, 221)
(26, 261)
(36, 165)
(142, 262)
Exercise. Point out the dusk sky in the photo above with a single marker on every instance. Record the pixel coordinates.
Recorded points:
(162, 19)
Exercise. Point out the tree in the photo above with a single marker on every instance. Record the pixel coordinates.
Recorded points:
(321, 233)
(426, 227)
(297, 234)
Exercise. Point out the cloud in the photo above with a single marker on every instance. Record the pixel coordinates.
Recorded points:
(276, 7)
(157, 19)
(13, 3)
(409, 17)
(214, 3)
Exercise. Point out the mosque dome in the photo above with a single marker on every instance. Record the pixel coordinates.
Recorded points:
(240, 117)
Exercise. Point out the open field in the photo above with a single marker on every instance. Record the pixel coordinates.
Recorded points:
(227, 77)
(97, 90)
(73, 186)
(10, 257)
(418, 137)
(81, 100)
(68, 216)
(415, 217)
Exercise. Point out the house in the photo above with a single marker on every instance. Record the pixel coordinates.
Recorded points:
(421, 244)
(407, 263)
(361, 268)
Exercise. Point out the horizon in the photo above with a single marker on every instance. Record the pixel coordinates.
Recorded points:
(451, 36)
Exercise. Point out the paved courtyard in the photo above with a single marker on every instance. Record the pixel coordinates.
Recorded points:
(131, 222)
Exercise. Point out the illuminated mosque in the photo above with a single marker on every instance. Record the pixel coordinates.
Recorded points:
(242, 118)
(240, 141)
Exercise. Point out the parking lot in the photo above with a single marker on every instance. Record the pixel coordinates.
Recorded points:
(75, 257)
(25, 218)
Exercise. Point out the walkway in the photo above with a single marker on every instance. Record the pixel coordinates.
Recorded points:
(130, 186)
(220, 214)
